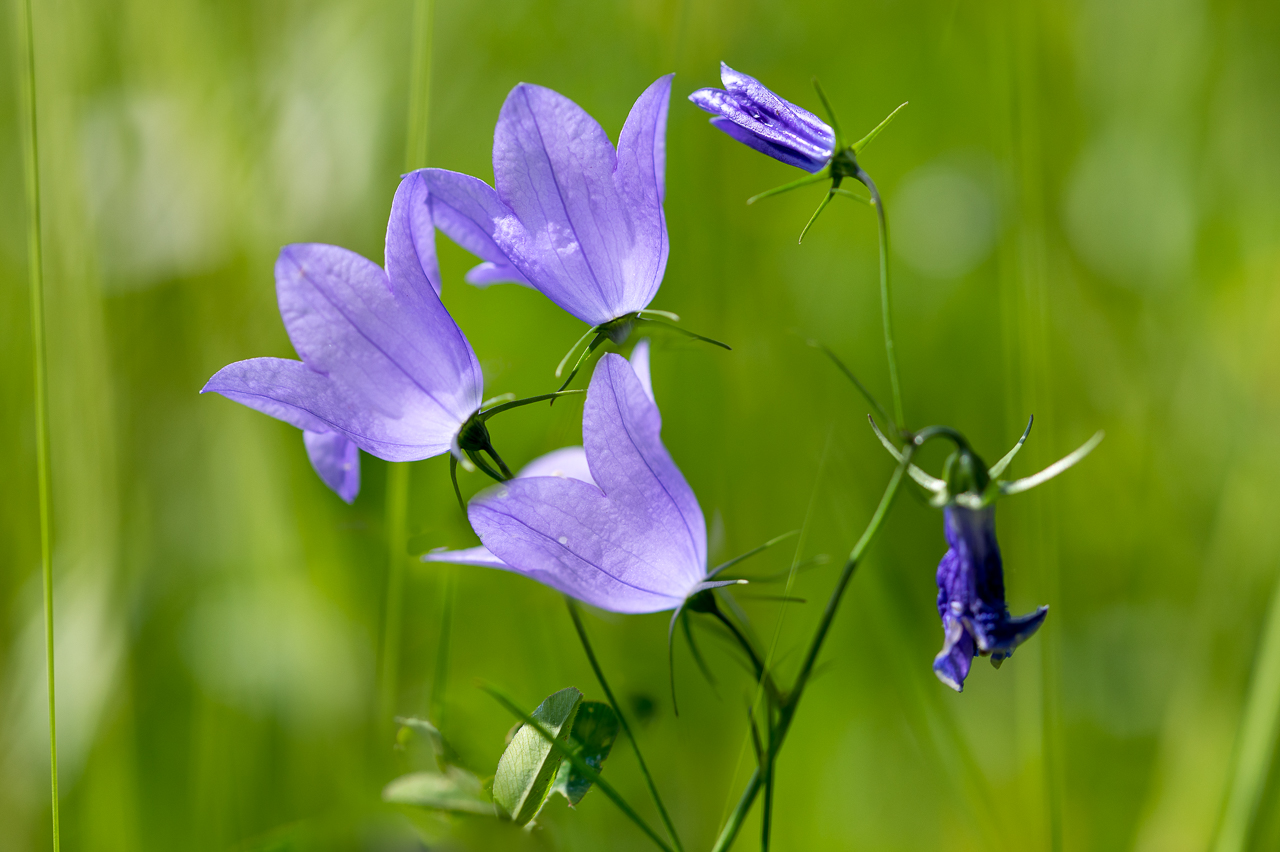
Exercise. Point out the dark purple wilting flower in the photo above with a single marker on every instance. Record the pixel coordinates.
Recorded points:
(971, 601)
(749, 112)
(975, 618)
(384, 367)
(568, 215)
(626, 534)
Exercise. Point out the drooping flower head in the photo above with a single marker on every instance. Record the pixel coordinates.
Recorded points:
(755, 116)
(567, 215)
(624, 532)
(384, 367)
(971, 597)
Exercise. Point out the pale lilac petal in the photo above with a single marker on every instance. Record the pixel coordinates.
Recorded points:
(952, 663)
(337, 460)
(411, 241)
(469, 212)
(553, 166)
(399, 356)
(640, 366)
(478, 556)
(293, 392)
(640, 182)
(592, 235)
(566, 462)
(637, 543)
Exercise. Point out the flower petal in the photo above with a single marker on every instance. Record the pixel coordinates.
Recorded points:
(411, 240)
(479, 556)
(468, 211)
(766, 146)
(641, 182)
(337, 460)
(586, 246)
(640, 366)
(954, 660)
(291, 391)
(635, 544)
(398, 355)
(566, 463)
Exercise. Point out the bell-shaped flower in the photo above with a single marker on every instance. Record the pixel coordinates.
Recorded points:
(384, 367)
(567, 215)
(971, 603)
(625, 534)
(752, 114)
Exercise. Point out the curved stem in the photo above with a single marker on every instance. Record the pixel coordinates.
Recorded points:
(631, 738)
(886, 310)
(35, 265)
(762, 675)
(788, 707)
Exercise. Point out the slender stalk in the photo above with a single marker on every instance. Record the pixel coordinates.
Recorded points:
(886, 308)
(35, 267)
(788, 708)
(613, 702)
(397, 510)
(415, 153)
(762, 674)
(440, 677)
(572, 755)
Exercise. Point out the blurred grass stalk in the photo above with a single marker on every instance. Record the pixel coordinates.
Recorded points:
(397, 500)
(35, 266)
(1251, 764)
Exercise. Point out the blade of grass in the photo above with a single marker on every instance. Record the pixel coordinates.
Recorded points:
(35, 270)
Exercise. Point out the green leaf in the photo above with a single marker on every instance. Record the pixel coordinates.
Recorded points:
(454, 790)
(594, 730)
(529, 764)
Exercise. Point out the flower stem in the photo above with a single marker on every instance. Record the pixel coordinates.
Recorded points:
(396, 512)
(635, 746)
(35, 266)
(886, 308)
(788, 707)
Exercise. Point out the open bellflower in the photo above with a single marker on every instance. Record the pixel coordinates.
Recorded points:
(626, 534)
(568, 215)
(384, 367)
(755, 116)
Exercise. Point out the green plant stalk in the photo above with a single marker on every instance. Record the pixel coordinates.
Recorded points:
(440, 677)
(788, 709)
(35, 267)
(581, 765)
(1256, 741)
(631, 738)
(397, 506)
(396, 513)
(886, 306)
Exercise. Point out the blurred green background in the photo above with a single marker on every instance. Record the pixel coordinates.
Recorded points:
(1085, 204)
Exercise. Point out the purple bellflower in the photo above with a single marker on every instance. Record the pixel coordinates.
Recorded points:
(752, 114)
(614, 523)
(568, 215)
(384, 367)
(971, 598)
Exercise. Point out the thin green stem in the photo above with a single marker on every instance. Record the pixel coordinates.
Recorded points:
(415, 148)
(570, 754)
(886, 308)
(613, 702)
(440, 677)
(35, 267)
(762, 674)
(788, 708)
(396, 513)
